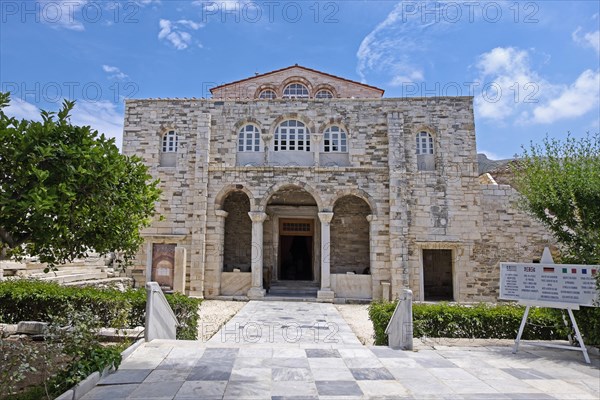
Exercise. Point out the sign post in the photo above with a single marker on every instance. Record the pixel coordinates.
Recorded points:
(561, 286)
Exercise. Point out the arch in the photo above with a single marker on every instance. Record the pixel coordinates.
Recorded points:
(249, 138)
(334, 121)
(424, 143)
(226, 190)
(361, 194)
(264, 87)
(324, 86)
(246, 121)
(294, 183)
(284, 117)
(295, 79)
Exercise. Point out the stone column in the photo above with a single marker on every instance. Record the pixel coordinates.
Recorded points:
(325, 293)
(257, 291)
(267, 148)
(215, 257)
(179, 270)
(316, 148)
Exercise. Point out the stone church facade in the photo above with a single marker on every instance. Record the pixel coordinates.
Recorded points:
(298, 176)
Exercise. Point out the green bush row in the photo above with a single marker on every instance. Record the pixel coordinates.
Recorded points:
(34, 300)
(485, 321)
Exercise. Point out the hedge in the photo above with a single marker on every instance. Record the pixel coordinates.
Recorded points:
(485, 321)
(34, 300)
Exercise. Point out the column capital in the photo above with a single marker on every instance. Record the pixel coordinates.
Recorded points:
(317, 137)
(326, 217)
(221, 213)
(257, 216)
(371, 217)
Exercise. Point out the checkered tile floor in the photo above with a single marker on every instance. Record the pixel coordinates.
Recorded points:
(301, 351)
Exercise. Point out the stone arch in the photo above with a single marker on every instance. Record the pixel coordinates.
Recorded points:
(294, 183)
(246, 121)
(225, 191)
(296, 116)
(324, 86)
(266, 86)
(350, 236)
(334, 122)
(361, 194)
(295, 79)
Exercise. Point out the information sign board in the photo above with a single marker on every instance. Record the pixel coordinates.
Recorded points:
(552, 283)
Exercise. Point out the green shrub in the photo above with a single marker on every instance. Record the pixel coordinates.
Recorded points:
(482, 321)
(588, 321)
(27, 300)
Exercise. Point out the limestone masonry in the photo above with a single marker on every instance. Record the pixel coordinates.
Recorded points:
(301, 179)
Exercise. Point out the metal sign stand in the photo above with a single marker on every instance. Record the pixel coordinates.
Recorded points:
(569, 309)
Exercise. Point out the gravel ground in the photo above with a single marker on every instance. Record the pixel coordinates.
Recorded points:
(214, 314)
(357, 316)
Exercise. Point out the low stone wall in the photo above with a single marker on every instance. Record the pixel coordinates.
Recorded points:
(352, 286)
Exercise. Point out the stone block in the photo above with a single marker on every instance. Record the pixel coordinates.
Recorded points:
(32, 327)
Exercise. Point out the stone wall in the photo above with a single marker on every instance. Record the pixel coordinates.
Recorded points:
(350, 236)
(238, 233)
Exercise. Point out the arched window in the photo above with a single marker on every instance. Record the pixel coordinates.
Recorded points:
(169, 142)
(249, 138)
(292, 135)
(295, 91)
(324, 94)
(267, 94)
(334, 140)
(424, 143)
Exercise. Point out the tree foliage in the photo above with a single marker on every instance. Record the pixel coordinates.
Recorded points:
(560, 185)
(65, 190)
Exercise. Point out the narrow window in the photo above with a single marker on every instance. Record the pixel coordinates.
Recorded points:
(335, 140)
(249, 138)
(424, 143)
(169, 142)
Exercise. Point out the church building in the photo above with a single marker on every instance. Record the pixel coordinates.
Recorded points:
(308, 184)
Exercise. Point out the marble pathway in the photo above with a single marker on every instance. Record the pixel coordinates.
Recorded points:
(304, 351)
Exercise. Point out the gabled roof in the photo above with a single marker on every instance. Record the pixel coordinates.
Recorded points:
(296, 66)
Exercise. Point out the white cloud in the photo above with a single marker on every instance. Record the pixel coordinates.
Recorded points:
(115, 72)
(22, 109)
(507, 83)
(574, 101)
(390, 48)
(173, 32)
(589, 39)
(61, 13)
(102, 116)
(511, 88)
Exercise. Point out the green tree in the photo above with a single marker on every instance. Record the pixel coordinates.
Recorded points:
(560, 185)
(65, 190)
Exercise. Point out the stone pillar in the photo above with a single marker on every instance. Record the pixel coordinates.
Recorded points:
(325, 293)
(179, 270)
(215, 257)
(148, 261)
(373, 255)
(316, 148)
(257, 291)
(267, 147)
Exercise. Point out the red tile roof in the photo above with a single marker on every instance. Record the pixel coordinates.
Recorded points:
(296, 66)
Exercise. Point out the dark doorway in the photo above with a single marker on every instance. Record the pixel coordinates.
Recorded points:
(437, 275)
(295, 250)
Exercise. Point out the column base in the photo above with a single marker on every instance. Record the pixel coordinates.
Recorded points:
(325, 294)
(256, 293)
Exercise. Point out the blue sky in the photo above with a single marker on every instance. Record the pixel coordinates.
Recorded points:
(533, 67)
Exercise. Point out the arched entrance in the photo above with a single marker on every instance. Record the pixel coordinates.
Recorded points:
(292, 236)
